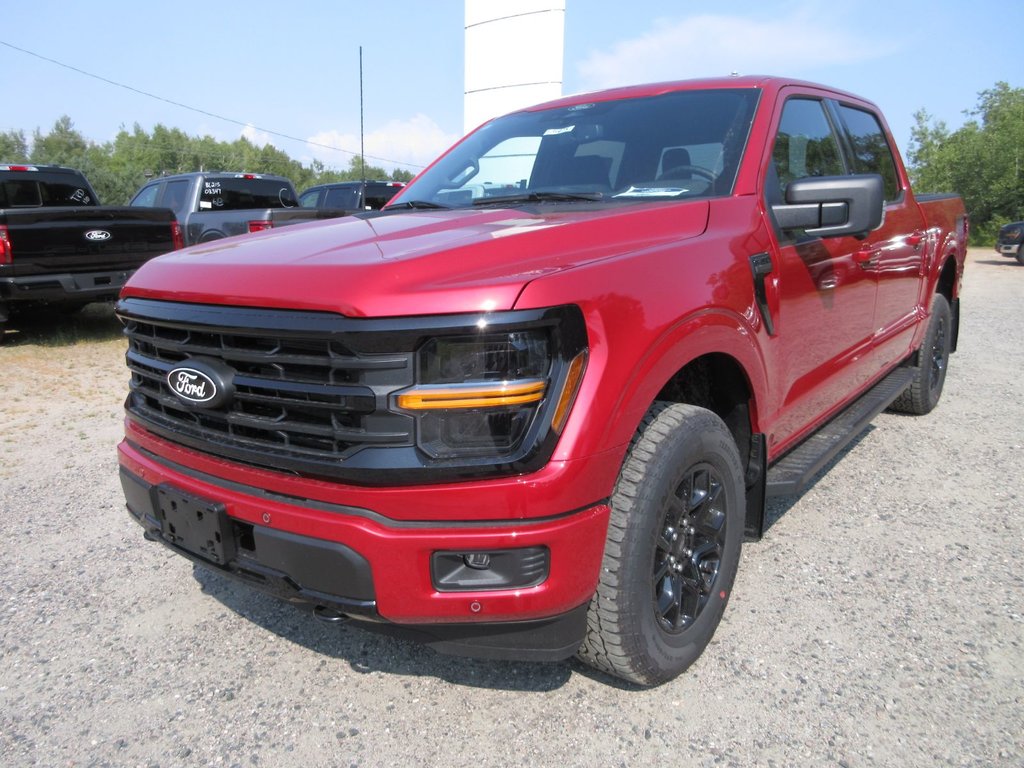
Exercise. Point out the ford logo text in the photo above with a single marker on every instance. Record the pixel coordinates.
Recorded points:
(202, 382)
(97, 235)
(191, 385)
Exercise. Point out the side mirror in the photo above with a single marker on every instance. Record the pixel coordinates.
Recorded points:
(833, 206)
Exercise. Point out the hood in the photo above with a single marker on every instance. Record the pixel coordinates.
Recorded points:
(421, 262)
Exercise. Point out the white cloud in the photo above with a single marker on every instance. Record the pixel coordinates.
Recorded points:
(712, 45)
(408, 144)
(255, 137)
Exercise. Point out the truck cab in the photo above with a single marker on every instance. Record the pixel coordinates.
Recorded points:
(351, 195)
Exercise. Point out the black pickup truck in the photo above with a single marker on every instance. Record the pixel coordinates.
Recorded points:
(351, 195)
(59, 246)
(210, 206)
(1011, 241)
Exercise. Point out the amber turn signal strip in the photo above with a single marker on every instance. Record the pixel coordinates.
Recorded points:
(477, 395)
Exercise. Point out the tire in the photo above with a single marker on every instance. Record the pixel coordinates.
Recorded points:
(932, 362)
(674, 539)
(1020, 256)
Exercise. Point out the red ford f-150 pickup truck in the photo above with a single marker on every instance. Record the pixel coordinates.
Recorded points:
(533, 407)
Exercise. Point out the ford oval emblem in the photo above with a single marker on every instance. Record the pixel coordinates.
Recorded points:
(203, 383)
(97, 235)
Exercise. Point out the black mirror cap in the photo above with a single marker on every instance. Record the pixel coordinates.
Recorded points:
(833, 206)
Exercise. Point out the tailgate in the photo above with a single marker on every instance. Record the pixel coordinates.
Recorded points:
(85, 239)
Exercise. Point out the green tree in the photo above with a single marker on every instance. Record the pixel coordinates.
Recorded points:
(118, 168)
(13, 147)
(983, 160)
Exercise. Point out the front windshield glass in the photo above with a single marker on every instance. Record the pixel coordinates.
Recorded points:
(677, 145)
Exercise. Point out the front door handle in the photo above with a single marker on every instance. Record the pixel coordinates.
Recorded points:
(867, 256)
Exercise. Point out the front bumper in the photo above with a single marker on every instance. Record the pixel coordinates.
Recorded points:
(355, 562)
(1008, 249)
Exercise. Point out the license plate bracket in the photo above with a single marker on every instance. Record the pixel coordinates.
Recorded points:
(195, 524)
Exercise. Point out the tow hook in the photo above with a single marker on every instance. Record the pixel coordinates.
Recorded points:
(329, 615)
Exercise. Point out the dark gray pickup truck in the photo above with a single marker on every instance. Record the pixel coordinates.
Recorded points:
(59, 246)
(210, 206)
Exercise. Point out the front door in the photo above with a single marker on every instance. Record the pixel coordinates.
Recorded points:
(826, 299)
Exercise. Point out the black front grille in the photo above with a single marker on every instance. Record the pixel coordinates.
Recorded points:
(306, 399)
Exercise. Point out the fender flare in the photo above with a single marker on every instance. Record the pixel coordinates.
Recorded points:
(709, 331)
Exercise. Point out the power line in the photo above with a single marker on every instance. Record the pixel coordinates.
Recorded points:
(200, 111)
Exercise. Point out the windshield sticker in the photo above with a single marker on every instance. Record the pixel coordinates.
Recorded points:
(205, 204)
(556, 131)
(653, 192)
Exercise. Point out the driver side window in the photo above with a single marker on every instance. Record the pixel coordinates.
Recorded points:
(805, 145)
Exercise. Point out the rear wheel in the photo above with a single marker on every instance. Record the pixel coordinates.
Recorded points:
(673, 546)
(932, 362)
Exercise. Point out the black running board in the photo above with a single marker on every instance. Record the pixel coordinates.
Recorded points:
(790, 475)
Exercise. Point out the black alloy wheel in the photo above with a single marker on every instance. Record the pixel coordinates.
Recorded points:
(688, 553)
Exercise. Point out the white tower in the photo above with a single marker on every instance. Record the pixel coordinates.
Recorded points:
(514, 52)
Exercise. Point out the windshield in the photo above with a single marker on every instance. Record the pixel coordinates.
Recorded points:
(676, 145)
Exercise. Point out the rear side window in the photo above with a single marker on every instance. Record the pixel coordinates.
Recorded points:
(378, 195)
(231, 194)
(871, 151)
(175, 194)
(342, 197)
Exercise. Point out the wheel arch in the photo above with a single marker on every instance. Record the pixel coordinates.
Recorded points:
(948, 284)
(713, 362)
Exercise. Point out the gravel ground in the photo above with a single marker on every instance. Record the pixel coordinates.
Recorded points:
(880, 622)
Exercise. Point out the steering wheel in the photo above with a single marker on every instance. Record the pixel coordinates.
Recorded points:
(676, 170)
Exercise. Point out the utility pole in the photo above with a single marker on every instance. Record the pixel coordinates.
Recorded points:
(362, 150)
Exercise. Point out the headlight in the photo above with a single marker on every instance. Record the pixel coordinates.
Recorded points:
(494, 393)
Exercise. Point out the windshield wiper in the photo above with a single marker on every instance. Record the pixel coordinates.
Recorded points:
(419, 204)
(541, 197)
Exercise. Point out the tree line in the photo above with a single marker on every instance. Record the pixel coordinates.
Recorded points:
(118, 168)
(983, 160)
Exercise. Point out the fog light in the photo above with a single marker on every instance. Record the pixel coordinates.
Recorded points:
(479, 561)
(489, 570)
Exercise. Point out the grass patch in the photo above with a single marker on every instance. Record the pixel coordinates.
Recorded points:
(53, 328)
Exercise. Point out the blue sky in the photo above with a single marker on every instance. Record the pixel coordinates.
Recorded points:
(294, 68)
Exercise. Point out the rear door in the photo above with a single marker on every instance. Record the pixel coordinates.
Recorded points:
(893, 254)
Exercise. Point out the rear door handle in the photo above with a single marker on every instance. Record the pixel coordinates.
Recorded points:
(914, 240)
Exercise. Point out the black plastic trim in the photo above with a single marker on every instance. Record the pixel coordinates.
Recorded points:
(555, 638)
(299, 569)
(761, 267)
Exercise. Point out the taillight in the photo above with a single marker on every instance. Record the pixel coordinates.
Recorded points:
(260, 225)
(177, 240)
(6, 253)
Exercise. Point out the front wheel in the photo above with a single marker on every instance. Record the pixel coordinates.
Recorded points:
(673, 547)
(932, 361)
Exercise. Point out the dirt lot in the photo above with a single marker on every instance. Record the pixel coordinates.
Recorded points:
(880, 622)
